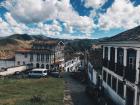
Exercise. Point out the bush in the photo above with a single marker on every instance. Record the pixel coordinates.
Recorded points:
(38, 99)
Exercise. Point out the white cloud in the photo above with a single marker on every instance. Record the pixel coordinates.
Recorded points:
(38, 11)
(28, 11)
(4, 28)
(122, 14)
(94, 3)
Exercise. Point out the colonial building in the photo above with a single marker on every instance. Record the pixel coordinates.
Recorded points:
(73, 64)
(43, 54)
(120, 72)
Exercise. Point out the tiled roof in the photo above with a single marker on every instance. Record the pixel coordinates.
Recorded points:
(33, 51)
(50, 42)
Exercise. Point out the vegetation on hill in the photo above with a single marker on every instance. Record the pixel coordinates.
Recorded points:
(129, 35)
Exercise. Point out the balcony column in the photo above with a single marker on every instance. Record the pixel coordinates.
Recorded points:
(109, 53)
(125, 57)
(137, 66)
(108, 63)
(125, 90)
(115, 54)
(136, 94)
(124, 61)
(116, 59)
(103, 52)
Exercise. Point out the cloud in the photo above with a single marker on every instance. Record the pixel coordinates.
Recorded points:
(24, 12)
(122, 14)
(4, 28)
(28, 11)
(94, 3)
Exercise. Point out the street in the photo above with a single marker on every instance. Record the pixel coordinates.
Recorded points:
(77, 91)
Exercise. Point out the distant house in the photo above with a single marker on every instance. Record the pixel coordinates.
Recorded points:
(121, 67)
(43, 54)
(73, 64)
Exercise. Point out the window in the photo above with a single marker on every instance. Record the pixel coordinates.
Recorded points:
(109, 80)
(25, 55)
(112, 54)
(42, 66)
(114, 82)
(23, 63)
(37, 65)
(47, 58)
(120, 88)
(131, 59)
(131, 62)
(38, 57)
(120, 56)
(18, 63)
(42, 57)
(31, 57)
(104, 76)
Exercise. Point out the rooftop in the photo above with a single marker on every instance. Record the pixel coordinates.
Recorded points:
(131, 35)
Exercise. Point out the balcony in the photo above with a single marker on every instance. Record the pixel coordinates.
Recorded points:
(119, 69)
(130, 74)
(105, 63)
(112, 66)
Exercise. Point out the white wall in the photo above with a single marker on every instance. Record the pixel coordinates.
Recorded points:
(92, 74)
(13, 70)
(21, 58)
(6, 64)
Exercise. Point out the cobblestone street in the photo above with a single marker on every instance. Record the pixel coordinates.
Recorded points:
(77, 91)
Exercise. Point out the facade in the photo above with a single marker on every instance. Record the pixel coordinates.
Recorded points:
(6, 63)
(43, 54)
(120, 71)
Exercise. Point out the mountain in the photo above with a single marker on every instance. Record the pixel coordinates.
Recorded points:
(129, 35)
(9, 44)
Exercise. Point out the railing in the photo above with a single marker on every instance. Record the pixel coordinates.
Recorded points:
(130, 74)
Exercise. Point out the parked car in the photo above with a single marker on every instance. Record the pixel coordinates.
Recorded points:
(38, 73)
(56, 74)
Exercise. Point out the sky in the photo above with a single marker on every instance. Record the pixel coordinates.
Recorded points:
(68, 18)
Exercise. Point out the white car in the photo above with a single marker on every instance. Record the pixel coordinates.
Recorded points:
(38, 73)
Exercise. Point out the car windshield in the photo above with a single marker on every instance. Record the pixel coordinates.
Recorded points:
(45, 71)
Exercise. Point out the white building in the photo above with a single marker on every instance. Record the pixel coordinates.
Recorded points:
(72, 65)
(43, 54)
(120, 72)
